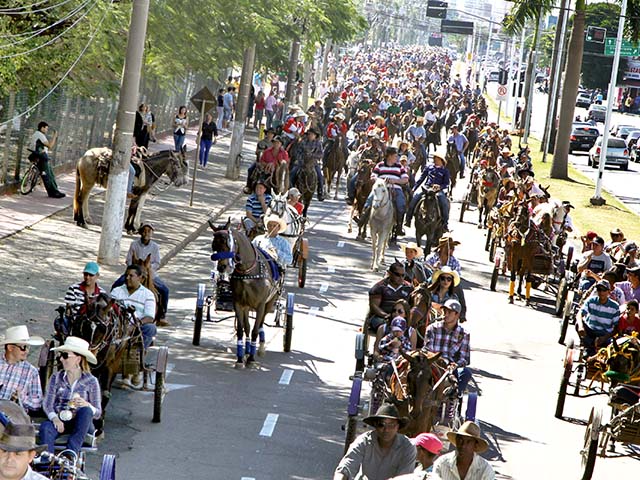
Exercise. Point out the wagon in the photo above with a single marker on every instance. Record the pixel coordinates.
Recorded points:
(470, 196)
(64, 466)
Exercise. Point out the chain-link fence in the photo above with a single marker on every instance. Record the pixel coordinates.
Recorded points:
(81, 123)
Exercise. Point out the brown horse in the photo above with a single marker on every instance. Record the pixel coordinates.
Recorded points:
(420, 313)
(420, 161)
(364, 183)
(253, 286)
(336, 162)
(453, 164)
(487, 194)
(306, 182)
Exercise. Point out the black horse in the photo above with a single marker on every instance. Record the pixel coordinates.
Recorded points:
(428, 219)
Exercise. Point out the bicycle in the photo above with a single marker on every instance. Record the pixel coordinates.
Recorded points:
(31, 177)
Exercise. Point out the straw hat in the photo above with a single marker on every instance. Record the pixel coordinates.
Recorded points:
(79, 346)
(506, 151)
(412, 246)
(441, 152)
(275, 219)
(20, 335)
(471, 430)
(446, 240)
(446, 270)
(338, 116)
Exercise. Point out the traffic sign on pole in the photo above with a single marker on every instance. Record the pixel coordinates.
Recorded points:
(628, 49)
(501, 93)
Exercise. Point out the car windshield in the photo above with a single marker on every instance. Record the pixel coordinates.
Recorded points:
(602, 108)
(585, 130)
(617, 143)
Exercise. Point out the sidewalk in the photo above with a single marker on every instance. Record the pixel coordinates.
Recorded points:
(43, 252)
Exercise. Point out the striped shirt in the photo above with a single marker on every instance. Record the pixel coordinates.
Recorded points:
(21, 378)
(75, 296)
(395, 171)
(254, 206)
(59, 392)
(445, 468)
(601, 318)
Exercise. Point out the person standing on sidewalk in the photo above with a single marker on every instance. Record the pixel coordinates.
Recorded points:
(228, 106)
(41, 145)
(220, 108)
(259, 110)
(180, 128)
(269, 108)
(208, 138)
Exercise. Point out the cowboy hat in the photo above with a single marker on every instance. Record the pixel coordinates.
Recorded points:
(20, 437)
(448, 240)
(506, 151)
(79, 346)
(412, 246)
(386, 410)
(441, 153)
(446, 270)
(13, 412)
(275, 219)
(338, 116)
(471, 430)
(20, 335)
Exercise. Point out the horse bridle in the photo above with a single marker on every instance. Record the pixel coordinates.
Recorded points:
(230, 254)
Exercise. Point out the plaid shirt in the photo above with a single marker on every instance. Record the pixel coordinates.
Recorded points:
(21, 377)
(452, 344)
(59, 392)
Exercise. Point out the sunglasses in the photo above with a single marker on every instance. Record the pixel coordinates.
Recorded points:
(65, 355)
(446, 279)
(22, 348)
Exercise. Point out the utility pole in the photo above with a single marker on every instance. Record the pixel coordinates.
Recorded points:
(237, 134)
(597, 198)
(306, 79)
(115, 198)
(532, 79)
(517, 80)
(291, 76)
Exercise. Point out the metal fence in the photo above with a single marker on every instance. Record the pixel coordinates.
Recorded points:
(81, 122)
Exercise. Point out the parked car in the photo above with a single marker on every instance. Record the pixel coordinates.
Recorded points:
(583, 100)
(493, 76)
(622, 130)
(597, 113)
(583, 137)
(632, 144)
(617, 153)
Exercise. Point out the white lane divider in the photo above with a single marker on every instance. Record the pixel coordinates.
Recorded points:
(286, 377)
(313, 311)
(247, 478)
(331, 269)
(324, 287)
(340, 244)
(269, 425)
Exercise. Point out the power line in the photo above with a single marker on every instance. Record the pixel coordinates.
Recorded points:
(50, 41)
(24, 7)
(27, 9)
(73, 65)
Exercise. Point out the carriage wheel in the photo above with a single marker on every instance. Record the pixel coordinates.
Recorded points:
(472, 404)
(494, 277)
(561, 296)
(590, 447)
(158, 391)
(492, 249)
(463, 207)
(108, 468)
(302, 272)
(566, 316)
(288, 323)
(361, 352)
(351, 431)
(30, 180)
(564, 381)
(567, 262)
(488, 242)
(353, 408)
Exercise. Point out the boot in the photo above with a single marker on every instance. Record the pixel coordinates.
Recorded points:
(320, 195)
(364, 219)
(399, 231)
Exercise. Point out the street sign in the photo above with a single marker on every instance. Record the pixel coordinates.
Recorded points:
(627, 50)
(501, 94)
(454, 26)
(204, 95)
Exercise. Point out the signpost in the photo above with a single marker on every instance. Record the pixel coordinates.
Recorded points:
(501, 95)
(628, 49)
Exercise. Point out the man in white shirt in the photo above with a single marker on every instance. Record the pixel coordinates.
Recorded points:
(464, 463)
(40, 144)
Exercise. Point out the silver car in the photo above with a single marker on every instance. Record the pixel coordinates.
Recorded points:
(617, 153)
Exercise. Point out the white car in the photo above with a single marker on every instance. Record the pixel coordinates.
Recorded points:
(583, 100)
(617, 153)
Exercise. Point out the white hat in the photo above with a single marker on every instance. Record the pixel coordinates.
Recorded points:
(20, 334)
(79, 346)
(276, 219)
(412, 246)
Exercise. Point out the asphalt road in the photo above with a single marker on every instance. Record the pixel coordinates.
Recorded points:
(216, 421)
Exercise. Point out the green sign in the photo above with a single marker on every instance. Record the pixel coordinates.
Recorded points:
(627, 50)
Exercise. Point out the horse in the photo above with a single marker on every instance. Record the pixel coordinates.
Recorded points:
(420, 161)
(453, 164)
(364, 183)
(306, 182)
(434, 133)
(255, 286)
(487, 194)
(106, 325)
(280, 207)
(381, 221)
(147, 281)
(428, 219)
(336, 162)
(420, 313)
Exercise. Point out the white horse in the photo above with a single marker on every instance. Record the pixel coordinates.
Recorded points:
(294, 220)
(555, 210)
(381, 222)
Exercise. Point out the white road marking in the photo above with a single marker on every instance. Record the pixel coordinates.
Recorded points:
(286, 377)
(340, 244)
(247, 478)
(331, 269)
(324, 287)
(269, 425)
(313, 311)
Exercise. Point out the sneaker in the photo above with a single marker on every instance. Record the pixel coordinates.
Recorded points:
(58, 195)
(407, 223)
(320, 197)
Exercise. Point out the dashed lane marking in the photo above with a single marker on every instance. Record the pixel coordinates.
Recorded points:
(313, 311)
(324, 287)
(340, 244)
(286, 377)
(331, 269)
(269, 425)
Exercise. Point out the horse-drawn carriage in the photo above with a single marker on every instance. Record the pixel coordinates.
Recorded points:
(482, 192)
(64, 466)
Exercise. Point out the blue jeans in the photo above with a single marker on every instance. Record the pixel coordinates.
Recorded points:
(205, 146)
(77, 428)
(149, 330)
(464, 376)
(178, 141)
(269, 118)
(220, 111)
(463, 162)
(294, 175)
(351, 188)
(585, 284)
(131, 178)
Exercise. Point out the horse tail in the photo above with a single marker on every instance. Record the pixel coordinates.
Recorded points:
(77, 201)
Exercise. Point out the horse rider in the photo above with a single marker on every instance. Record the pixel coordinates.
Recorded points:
(598, 319)
(465, 461)
(369, 151)
(385, 293)
(269, 160)
(80, 295)
(293, 128)
(428, 448)
(414, 271)
(396, 175)
(311, 147)
(18, 445)
(380, 127)
(256, 206)
(134, 294)
(615, 247)
(361, 125)
(335, 129)
(461, 144)
(435, 175)
(448, 338)
(278, 248)
(631, 287)
(381, 453)
(417, 133)
(293, 199)
(594, 263)
(265, 143)
(19, 380)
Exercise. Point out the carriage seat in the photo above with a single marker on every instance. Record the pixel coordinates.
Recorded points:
(625, 395)
(90, 439)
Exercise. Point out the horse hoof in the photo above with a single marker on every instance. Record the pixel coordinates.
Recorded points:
(238, 365)
(479, 225)
(261, 350)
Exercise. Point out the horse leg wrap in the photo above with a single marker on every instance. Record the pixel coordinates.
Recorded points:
(252, 351)
(247, 346)
(528, 290)
(512, 288)
(240, 350)
(261, 335)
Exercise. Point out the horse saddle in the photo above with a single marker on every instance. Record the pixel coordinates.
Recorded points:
(273, 264)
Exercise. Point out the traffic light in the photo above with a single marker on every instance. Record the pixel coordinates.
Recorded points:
(596, 34)
(437, 9)
(435, 40)
(503, 77)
